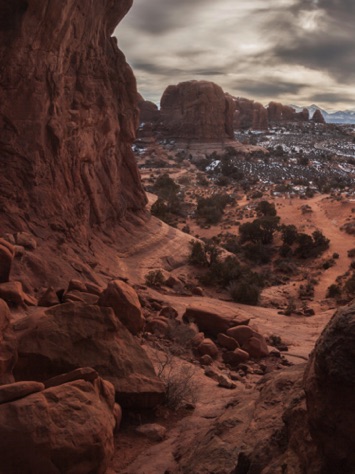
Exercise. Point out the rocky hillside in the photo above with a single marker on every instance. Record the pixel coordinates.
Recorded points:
(68, 117)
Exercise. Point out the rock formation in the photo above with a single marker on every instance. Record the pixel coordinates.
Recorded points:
(66, 428)
(197, 110)
(279, 113)
(148, 111)
(74, 335)
(330, 388)
(250, 114)
(68, 116)
(318, 117)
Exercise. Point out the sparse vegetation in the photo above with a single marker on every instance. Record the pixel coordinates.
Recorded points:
(154, 278)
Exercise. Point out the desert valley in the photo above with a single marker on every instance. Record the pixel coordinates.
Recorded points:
(177, 283)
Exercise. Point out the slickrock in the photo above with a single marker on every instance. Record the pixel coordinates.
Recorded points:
(125, 303)
(330, 387)
(75, 335)
(67, 429)
(67, 97)
(197, 110)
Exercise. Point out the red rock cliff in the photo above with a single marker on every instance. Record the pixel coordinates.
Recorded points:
(197, 110)
(68, 115)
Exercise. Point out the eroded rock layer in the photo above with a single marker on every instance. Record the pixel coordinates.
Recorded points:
(68, 115)
(197, 110)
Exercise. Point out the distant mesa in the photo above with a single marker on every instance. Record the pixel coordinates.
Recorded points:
(318, 117)
(278, 113)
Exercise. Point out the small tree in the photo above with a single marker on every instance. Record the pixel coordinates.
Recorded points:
(266, 208)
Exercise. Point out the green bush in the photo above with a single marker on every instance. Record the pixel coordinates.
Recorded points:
(244, 292)
(154, 278)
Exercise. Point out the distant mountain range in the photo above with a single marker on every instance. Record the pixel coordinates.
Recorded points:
(341, 116)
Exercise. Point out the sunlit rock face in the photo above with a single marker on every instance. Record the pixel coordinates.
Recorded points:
(68, 116)
(197, 110)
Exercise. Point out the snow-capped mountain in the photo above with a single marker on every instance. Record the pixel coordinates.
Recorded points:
(341, 116)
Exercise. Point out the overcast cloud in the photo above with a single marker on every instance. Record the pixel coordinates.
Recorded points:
(293, 51)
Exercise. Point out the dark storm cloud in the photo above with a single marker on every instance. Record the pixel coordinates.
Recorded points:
(330, 98)
(268, 87)
(156, 16)
(328, 45)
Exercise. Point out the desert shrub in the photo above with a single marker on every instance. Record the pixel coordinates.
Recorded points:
(350, 285)
(260, 230)
(232, 244)
(165, 187)
(335, 255)
(204, 254)
(244, 292)
(306, 291)
(285, 251)
(351, 253)
(266, 208)
(328, 263)
(154, 278)
(223, 272)
(286, 266)
(257, 253)
(222, 181)
(184, 180)
(179, 380)
(211, 208)
(311, 246)
(289, 234)
(333, 291)
(291, 307)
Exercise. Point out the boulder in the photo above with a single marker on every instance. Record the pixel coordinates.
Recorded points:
(12, 292)
(197, 339)
(196, 110)
(125, 303)
(7, 253)
(153, 431)
(49, 298)
(26, 240)
(83, 296)
(227, 342)
(211, 323)
(208, 347)
(8, 352)
(84, 373)
(241, 333)
(330, 386)
(168, 312)
(158, 325)
(256, 347)
(67, 429)
(75, 335)
(236, 357)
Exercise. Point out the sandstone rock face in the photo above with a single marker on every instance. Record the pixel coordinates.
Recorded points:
(148, 111)
(7, 252)
(8, 353)
(75, 335)
(63, 74)
(125, 303)
(67, 429)
(279, 113)
(250, 114)
(318, 117)
(197, 110)
(330, 388)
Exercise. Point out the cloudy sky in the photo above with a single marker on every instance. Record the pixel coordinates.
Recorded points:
(294, 51)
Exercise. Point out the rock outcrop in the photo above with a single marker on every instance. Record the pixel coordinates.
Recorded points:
(74, 335)
(8, 353)
(279, 113)
(250, 115)
(68, 117)
(66, 428)
(330, 388)
(318, 117)
(148, 111)
(197, 110)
